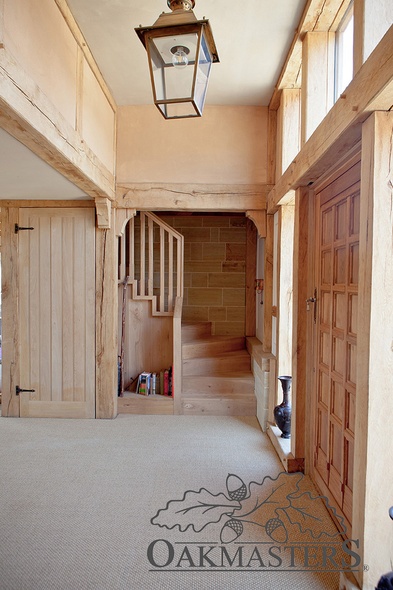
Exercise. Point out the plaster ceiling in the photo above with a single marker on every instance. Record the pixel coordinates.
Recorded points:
(252, 38)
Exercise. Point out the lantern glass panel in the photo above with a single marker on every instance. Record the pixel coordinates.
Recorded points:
(204, 65)
(172, 82)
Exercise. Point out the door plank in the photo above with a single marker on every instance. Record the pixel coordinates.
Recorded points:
(57, 326)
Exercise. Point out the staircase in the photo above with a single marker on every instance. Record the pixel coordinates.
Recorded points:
(217, 377)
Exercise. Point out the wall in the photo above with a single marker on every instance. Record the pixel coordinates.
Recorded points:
(228, 145)
(214, 270)
(57, 73)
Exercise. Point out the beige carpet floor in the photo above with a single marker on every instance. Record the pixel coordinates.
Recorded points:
(81, 501)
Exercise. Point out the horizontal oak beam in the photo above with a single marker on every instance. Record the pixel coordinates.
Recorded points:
(340, 130)
(191, 197)
(28, 115)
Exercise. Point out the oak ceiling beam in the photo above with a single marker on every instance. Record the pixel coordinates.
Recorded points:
(192, 197)
(27, 114)
(370, 90)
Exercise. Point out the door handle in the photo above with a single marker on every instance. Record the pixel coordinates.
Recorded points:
(314, 301)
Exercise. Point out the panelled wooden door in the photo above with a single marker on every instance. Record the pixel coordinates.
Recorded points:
(57, 312)
(337, 263)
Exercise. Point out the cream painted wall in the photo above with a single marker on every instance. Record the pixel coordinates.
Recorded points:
(42, 44)
(227, 145)
(38, 37)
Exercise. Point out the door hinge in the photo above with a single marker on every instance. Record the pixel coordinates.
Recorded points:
(19, 390)
(18, 228)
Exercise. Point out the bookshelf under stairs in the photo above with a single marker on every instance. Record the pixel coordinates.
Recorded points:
(217, 377)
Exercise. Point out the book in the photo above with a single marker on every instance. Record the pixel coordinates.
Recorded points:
(143, 385)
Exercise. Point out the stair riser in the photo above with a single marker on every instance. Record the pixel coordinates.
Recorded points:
(193, 332)
(213, 387)
(213, 348)
(219, 407)
(212, 365)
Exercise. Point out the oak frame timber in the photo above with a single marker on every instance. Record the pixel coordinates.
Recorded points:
(191, 197)
(340, 130)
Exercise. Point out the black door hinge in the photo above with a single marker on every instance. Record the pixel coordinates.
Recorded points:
(18, 228)
(18, 390)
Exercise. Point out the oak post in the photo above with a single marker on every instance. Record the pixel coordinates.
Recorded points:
(106, 323)
(373, 479)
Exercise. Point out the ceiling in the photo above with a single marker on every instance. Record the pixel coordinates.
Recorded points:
(252, 38)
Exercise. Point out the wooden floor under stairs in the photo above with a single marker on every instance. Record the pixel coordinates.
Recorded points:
(217, 377)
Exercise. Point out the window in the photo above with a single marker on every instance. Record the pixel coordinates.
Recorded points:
(344, 53)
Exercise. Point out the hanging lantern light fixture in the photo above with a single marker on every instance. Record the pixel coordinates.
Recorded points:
(180, 51)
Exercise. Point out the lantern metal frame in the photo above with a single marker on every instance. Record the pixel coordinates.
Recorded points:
(181, 21)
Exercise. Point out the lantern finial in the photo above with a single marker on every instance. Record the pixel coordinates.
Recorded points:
(181, 4)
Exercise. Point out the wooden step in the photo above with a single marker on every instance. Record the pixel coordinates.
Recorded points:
(232, 385)
(221, 364)
(191, 331)
(213, 346)
(219, 407)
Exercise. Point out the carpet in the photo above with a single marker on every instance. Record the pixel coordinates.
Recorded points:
(156, 503)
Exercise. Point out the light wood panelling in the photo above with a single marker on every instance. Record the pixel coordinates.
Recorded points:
(57, 317)
(149, 340)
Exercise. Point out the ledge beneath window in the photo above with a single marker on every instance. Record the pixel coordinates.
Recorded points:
(283, 449)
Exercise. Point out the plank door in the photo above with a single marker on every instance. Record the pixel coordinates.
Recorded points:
(57, 312)
(337, 263)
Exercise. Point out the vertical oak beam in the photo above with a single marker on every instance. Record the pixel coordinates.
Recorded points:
(373, 478)
(268, 285)
(271, 146)
(317, 80)
(285, 289)
(106, 323)
(251, 273)
(10, 327)
(300, 322)
(288, 128)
